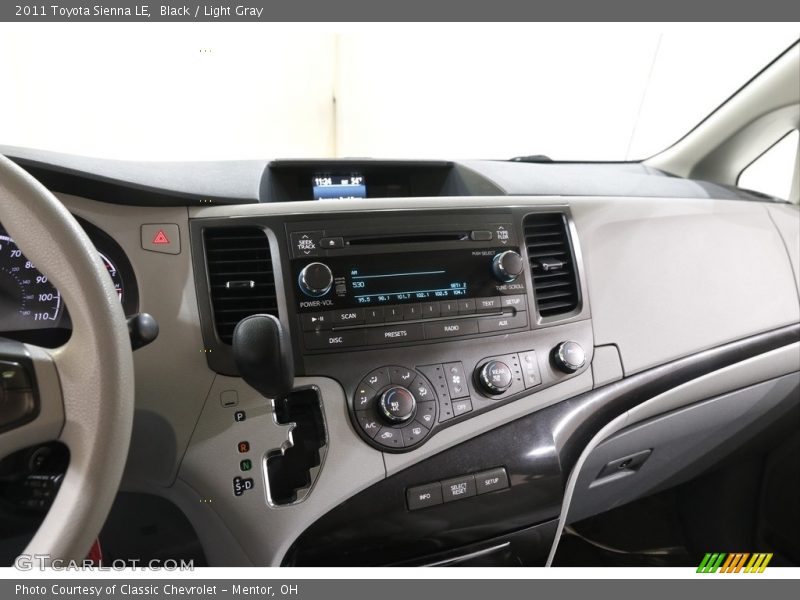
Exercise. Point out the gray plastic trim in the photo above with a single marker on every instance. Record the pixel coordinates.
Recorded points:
(265, 532)
(606, 365)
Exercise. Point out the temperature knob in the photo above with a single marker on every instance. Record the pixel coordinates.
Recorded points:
(569, 356)
(315, 279)
(507, 266)
(397, 404)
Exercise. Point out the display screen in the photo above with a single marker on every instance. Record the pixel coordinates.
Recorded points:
(369, 286)
(387, 279)
(338, 186)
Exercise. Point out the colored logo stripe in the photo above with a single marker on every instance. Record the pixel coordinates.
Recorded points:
(734, 562)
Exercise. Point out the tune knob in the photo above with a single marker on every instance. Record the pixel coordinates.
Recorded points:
(315, 279)
(569, 356)
(397, 404)
(507, 266)
(495, 377)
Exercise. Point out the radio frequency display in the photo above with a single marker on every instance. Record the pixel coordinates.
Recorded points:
(383, 288)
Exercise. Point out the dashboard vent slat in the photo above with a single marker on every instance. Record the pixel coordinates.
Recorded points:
(238, 254)
(552, 263)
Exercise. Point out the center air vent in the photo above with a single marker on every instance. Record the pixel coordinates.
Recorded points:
(240, 276)
(552, 264)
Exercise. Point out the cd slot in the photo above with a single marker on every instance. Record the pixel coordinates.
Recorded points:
(408, 238)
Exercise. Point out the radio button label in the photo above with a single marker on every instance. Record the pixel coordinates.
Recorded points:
(454, 328)
(326, 340)
(350, 316)
(517, 301)
(466, 307)
(373, 315)
(391, 335)
(488, 304)
(502, 323)
(316, 321)
(430, 310)
(448, 308)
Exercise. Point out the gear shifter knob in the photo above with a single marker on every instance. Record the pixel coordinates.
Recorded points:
(262, 350)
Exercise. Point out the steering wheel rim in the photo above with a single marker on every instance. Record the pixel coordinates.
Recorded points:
(85, 387)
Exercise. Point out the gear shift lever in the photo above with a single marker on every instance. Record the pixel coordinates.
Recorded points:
(262, 350)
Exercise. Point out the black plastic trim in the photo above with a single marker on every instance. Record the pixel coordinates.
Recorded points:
(539, 451)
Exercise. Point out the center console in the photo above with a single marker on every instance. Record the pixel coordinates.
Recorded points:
(426, 320)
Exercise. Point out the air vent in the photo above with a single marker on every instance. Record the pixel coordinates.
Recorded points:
(240, 276)
(552, 264)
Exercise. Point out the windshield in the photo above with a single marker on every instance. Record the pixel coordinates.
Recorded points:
(235, 91)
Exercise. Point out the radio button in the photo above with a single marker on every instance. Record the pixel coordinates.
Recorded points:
(330, 340)
(377, 379)
(448, 308)
(316, 321)
(350, 316)
(430, 310)
(481, 236)
(454, 328)
(305, 243)
(501, 323)
(517, 302)
(395, 335)
(466, 307)
(412, 312)
(393, 313)
(373, 315)
(489, 304)
(331, 243)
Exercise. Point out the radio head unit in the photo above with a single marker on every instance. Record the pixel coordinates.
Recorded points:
(408, 286)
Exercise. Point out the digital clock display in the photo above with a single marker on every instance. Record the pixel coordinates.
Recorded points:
(338, 186)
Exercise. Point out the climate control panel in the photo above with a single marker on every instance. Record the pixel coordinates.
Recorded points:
(397, 408)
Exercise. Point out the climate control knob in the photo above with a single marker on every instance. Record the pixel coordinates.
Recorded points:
(507, 266)
(495, 377)
(569, 357)
(397, 404)
(315, 279)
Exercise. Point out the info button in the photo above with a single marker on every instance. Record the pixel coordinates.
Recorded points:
(350, 316)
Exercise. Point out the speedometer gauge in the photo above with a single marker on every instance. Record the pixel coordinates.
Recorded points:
(27, 299)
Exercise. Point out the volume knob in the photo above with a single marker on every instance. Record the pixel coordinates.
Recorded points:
(507, 266)
(315, 279)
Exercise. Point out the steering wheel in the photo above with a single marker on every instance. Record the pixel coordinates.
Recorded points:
(80, 394)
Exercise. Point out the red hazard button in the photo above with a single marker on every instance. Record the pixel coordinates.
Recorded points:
(161, 237)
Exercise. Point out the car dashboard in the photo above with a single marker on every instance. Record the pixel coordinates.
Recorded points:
(477, 346)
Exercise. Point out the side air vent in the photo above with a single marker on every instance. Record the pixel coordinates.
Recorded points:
(240, 276)
(552, 263)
